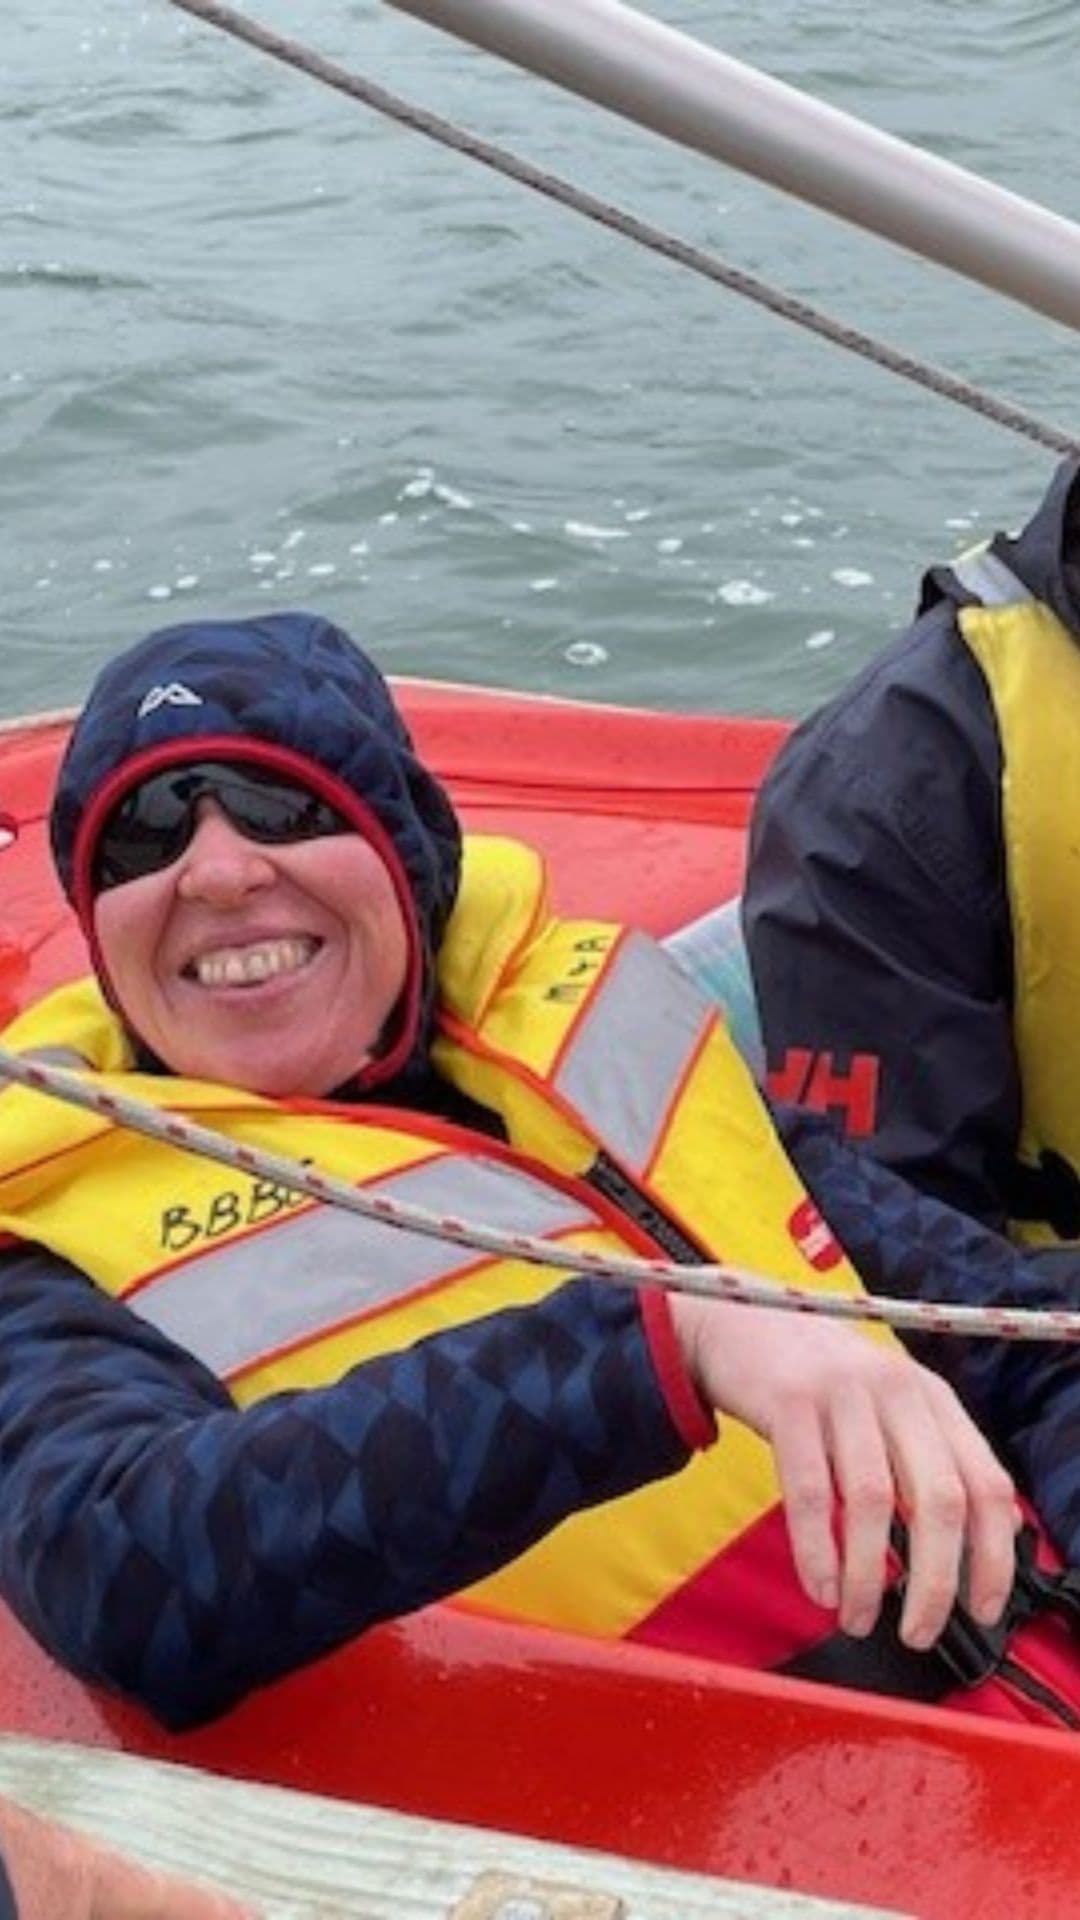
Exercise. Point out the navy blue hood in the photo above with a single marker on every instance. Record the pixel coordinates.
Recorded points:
(294, 682)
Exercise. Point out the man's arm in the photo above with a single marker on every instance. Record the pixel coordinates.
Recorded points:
(159, 1540)
(877, 921)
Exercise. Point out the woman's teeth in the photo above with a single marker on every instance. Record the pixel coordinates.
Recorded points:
(250, 966)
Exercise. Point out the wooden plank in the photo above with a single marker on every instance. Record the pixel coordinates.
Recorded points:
(303, 1857)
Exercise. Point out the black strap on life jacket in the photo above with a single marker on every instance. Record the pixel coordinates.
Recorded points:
(1050, 1192)
(966, 1653)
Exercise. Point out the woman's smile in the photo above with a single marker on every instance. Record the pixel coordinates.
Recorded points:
(276, 968)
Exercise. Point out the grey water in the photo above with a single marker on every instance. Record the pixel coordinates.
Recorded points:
(259, 348)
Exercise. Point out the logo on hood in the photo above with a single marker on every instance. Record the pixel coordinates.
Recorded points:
(174, 695)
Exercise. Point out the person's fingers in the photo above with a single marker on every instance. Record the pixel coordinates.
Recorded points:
(864, 1481)
(803, 1470)
(59, 1874)
(935, 1504)
(124, 1890)
(992, 1514)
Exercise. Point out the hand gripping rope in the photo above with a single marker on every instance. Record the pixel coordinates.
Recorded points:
(712, 1282)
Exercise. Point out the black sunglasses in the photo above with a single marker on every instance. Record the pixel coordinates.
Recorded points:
(156, 821)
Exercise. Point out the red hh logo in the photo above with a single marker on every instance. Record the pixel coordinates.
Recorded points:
(814, 1238)
(806, 1079)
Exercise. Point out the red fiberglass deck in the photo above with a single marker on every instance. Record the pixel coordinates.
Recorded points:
(673, 1760)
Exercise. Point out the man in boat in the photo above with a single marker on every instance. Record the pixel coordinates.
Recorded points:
(50, 1872)
(910, 908)
(237, 1427)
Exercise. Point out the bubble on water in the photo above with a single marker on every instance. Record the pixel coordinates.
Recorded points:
(546, 585)
(417, 489)
(959, 523)
(103, 565)
(586, 653)
(791, 519)
(159, 592)
(186, 581)
(521, 526)
(852, 577)
(262, 557)
(359, 547)
(671, 543)
(321, 570)
(452, 497)
(804, 540)
(634, 514)
(586, 530)
(743, 593)
(293, 539)
(824, 637)
(388, 519)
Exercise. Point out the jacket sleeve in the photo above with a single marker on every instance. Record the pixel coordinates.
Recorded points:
(877, 921)
(158, 1539)
(1024, 1396)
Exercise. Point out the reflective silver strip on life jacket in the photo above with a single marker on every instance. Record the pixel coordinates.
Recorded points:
(313, 1272)
(981, 573)
(631, 1050)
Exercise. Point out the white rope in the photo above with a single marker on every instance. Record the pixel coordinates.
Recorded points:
(713, 1281)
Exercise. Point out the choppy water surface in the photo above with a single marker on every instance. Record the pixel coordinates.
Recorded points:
(260, 348)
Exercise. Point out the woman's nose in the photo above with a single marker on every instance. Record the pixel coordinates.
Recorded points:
(219, 865)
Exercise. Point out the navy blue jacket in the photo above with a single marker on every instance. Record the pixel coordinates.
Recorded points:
(876, 911)
(161, 1541)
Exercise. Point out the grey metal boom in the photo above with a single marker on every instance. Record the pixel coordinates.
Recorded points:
(677, 86)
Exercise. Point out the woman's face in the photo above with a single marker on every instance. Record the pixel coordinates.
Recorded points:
(272, 968)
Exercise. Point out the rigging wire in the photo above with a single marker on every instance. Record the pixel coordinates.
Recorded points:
(644, 233)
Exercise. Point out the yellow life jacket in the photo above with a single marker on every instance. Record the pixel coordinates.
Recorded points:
(1032, 668)
(601, 1059)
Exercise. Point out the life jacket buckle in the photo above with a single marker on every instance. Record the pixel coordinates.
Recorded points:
(975, 1653)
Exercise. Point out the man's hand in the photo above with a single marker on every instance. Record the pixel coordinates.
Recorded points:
(57, 1874)
(847, 1417)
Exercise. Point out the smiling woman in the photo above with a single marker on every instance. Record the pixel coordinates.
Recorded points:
(274, 966)
(278, 909)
